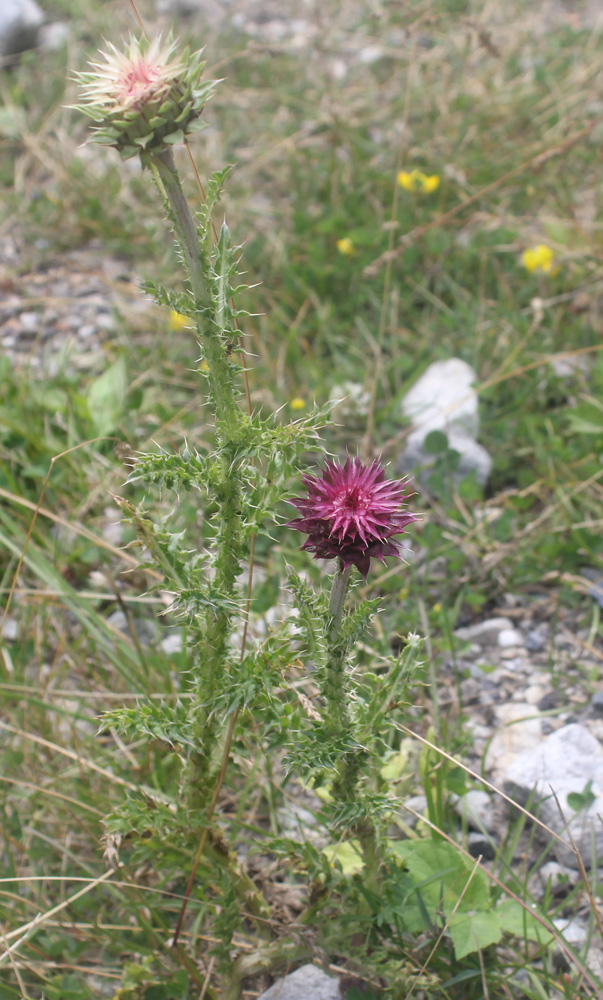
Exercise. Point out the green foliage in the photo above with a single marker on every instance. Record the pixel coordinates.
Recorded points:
(445, 888)
(169, 723)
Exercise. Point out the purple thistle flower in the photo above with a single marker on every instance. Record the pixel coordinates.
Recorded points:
(351, 513)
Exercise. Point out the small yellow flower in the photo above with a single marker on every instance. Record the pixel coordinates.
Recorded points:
(539, 258)
(204, 367)
(416, 180)
(346, 247)
(297, 403)
(437, 608)
(430, 183)
(178, 321)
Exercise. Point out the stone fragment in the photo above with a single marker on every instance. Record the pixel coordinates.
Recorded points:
(443, 399)
(509, 637)
(476, 807)
(558, 879)
(549, 701)
(534, 641)
(20, 23)
(484, 633)
(596, 702)
(570, 760)
(418, 803)
(172, 643)
(54, 36)
(480, 845)
(9, 630)
(519, 730)
(306, 983)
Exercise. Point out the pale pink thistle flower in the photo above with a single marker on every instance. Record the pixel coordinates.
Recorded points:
(351, 514)
(144, 99)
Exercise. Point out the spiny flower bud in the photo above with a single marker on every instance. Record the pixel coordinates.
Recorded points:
(351, 513)
(145, 99)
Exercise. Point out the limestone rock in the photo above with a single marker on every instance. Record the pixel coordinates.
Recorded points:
(520, 730)
(306, 983)
(20, 23)
(564, 762)
(485, 633)
(443, 400)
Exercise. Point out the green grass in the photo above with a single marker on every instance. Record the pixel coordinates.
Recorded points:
(316, 160)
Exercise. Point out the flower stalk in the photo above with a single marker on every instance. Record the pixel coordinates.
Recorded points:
(229, 417)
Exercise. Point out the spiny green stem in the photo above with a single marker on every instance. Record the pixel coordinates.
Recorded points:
(229, 421)
(335, 687)
(350, 766)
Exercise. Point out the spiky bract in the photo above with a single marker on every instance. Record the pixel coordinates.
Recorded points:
(145, 98)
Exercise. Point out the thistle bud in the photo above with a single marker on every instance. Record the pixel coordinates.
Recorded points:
(146, 99)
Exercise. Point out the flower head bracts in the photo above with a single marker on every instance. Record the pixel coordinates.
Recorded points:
(145, 98)
(351, 513)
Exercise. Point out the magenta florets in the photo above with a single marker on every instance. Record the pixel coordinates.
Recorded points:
(351, 513)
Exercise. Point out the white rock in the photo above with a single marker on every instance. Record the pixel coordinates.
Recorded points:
(172, 643)
(476, 807)
(9, 630)
(509, 637)
(564, 762)
(575, 930)
(20, 23)
(418, 804)
(306, 983)
(443, 398)
(473, 456)
(351, 400)
(557, 878)
(520, 730)
(54, 36)
(484, 633)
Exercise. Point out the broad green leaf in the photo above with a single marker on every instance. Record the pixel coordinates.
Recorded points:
(474, 931)
(106, 397)
(347, 854)
(441, 873)
(515, 920)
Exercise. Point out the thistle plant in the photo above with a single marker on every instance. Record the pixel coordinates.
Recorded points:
(142, 102)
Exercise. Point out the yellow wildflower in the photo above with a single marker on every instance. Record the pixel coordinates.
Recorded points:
(346, 247)
(178, 321)
(416, 180)
(204, 367)
(437, 608)
(297, 403)
(539, 258)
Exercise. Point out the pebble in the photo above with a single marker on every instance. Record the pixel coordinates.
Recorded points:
(9, 630)
(54, 36)
(172, 643)
(484, 633)
(306, 983)
(30, 321)
(418, 803)
(479, 845)
(549, 701)
(476, 807)
(557, 878)
(534, 641)
(596, 702)
(510, 637)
